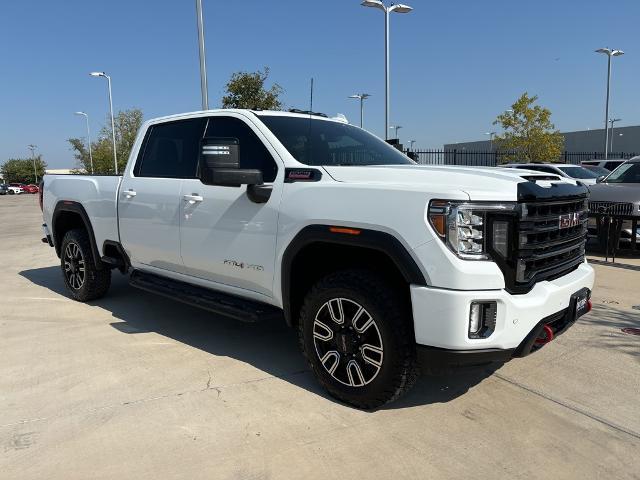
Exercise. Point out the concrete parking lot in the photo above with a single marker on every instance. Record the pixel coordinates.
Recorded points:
(138, 386)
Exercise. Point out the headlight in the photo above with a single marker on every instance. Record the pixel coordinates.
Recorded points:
(463, 227)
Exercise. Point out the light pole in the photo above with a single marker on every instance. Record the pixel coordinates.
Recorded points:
(204, 89)
(88, 138)
(609, 53)
(397, 8)
(33, 158)
(362, 97)
(612, 121)
(113, 127)
(411, 142)
(396, 127)
(491, 135)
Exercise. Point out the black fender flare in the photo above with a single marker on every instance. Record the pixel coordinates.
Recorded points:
(366, 238)
(76, 208)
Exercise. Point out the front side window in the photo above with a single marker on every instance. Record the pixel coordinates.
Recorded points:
(322, 142)
(626, 173)
(253, 153)
(171, 149)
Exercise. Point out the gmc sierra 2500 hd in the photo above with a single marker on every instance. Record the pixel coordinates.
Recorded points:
(381, 264)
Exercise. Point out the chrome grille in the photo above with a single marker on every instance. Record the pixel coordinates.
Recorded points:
(611, 208)
(545, 250)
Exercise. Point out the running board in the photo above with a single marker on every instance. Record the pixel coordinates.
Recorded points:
(211, 300)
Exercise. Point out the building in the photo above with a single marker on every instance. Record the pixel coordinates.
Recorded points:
(625, 140)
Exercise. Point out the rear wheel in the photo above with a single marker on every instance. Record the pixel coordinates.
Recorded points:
(356, 334)
(83, 280)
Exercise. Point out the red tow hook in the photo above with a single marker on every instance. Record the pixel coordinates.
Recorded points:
(548, 336)
(589, 306)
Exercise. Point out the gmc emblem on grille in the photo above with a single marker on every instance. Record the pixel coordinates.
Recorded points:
(569, 220)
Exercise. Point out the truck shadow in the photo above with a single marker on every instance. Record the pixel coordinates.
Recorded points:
(269, 346)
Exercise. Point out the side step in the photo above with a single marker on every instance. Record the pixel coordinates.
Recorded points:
(214, 301)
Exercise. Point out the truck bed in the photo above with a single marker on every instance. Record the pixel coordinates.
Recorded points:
(96, 193)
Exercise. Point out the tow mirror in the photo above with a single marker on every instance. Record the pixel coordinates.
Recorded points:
(220, 164)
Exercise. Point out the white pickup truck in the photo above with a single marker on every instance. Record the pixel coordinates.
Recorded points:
(383, 266)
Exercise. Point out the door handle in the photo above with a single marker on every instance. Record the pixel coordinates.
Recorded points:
(192, 199)
(129, 193)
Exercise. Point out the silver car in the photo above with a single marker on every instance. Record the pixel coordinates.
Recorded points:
(619, 194)
(576, 172)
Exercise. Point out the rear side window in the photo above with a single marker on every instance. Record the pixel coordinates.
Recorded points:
(253, 153)
(170, 150)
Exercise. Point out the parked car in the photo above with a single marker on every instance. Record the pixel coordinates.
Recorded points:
(31, 188)
(576, 172)
(14, 189)
(610, 165)
(4, 189)
(618, 194)
(380, 264)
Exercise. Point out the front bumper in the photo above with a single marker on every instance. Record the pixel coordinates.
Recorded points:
(441, 316)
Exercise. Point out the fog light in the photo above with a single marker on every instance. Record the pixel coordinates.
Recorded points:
(482, 319)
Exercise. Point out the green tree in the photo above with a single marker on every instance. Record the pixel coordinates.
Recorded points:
(20, 170)
(529, 135)
(127, 124)
(247, 90)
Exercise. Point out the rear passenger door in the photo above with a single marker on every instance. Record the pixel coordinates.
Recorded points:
(227, 239)
(149, 203)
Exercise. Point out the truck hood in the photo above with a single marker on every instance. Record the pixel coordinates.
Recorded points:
(478, 183)
(615, 192)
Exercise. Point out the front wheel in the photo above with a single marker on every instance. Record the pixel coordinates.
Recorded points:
(83, 280)
(356, 334)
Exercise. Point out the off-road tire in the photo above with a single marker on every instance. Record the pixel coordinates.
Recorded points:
(95, 282)
(392, 317)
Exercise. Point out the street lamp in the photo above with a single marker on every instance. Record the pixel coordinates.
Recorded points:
(411, 142)
(609, 53)
(113, 127)
(88, 137)
(33, 158)
(397, 8)
(491, 135)
(204, 89)
(396, 127)
(362, 97)
(612, 121)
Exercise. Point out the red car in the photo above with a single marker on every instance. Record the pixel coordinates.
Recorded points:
(26, 188)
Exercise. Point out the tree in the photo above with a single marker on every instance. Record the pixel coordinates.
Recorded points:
(127, 124)
(529, 135)
(20, 170)
(247, 90)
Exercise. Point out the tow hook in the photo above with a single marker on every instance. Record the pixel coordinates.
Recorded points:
(545, 336)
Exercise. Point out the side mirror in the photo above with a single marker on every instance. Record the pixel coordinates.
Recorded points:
(220, 164)
(600, 178)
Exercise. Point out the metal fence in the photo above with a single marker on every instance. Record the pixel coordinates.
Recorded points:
(491, 159)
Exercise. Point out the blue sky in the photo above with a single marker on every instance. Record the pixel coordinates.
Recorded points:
(455, 64)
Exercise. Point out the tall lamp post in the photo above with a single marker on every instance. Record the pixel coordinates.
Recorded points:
(362, 97)
(204, 89)
(33, 158)
(113, 127)
(411, 143)
(396, 128)
(612, 121)
(609, 53)
(88, 137)
(491, 135)
(397, 8)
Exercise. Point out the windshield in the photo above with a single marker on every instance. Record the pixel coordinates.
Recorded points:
(599, 170)
(579, 172)
(625, 173)
(321, 142)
